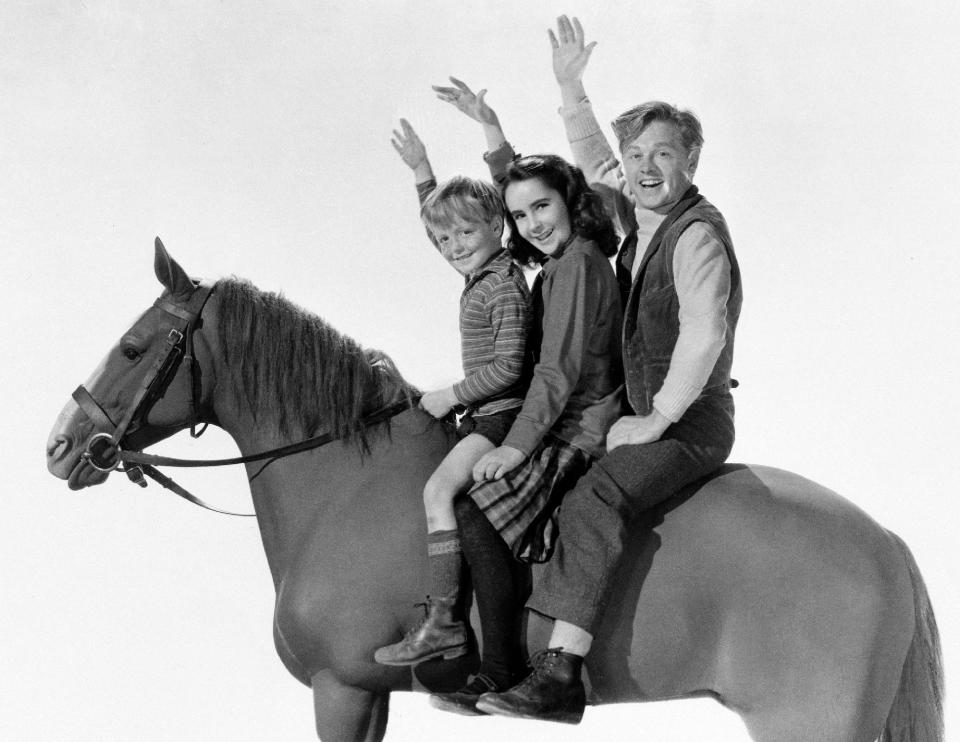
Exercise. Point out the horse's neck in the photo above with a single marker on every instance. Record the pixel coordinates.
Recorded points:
(297, 494)
(300, 491)
(317, 508)
(291, 493)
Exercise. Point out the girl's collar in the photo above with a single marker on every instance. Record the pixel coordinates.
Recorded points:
(558, 253)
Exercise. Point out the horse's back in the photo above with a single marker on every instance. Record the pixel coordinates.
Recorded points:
(758, 587)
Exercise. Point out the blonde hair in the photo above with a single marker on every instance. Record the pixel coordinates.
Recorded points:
(461, 198)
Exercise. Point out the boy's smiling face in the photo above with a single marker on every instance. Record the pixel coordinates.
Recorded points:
(468, 245)
(658, 167)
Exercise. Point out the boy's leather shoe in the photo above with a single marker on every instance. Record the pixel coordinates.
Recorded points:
(552, 692)
(437, 634)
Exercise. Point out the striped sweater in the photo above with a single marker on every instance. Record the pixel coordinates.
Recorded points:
(494, 321)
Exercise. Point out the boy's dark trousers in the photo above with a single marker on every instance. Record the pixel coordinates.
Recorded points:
(595, 517)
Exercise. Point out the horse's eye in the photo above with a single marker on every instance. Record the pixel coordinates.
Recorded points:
(131, 354)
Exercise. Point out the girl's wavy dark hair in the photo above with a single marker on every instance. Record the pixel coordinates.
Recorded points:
(588, 218)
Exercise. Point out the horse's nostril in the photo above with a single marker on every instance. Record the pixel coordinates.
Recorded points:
(57, 447)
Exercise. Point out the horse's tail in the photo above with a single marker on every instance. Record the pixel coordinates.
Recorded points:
(917, 711)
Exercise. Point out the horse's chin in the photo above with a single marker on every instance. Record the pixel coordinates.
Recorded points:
(83, 475)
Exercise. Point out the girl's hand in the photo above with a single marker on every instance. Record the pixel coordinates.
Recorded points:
(440, 402)
(465, 100)
(409, 146)
(496, 463)
(570, 56)
(636, 429)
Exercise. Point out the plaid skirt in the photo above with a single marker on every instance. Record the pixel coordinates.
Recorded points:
(522, 505)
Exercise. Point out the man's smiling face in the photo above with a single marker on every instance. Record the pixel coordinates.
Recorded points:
(658, 167)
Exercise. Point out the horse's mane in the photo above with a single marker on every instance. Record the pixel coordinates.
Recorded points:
(296, 371)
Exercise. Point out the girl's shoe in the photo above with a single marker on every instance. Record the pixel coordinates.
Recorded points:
(437, 635)
(464, 701)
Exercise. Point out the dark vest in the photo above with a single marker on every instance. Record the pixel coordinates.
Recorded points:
(651, 308)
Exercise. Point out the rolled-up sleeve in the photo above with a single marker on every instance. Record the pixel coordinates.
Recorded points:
(591, 153)
(498, 161)
(701, 272)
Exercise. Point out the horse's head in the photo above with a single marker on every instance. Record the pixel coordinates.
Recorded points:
(146, 388)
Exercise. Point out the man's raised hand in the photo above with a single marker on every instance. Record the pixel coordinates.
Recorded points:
(570, 55)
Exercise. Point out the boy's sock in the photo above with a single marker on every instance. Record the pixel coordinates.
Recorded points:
(444, 556)
(442, 631)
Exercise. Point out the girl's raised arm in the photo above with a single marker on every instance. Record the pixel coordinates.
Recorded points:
(474, 106)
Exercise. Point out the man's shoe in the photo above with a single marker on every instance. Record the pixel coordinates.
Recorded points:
(464, 701)
(437, 635)
(552, 692)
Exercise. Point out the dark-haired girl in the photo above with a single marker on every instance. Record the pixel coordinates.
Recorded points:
(558, 223)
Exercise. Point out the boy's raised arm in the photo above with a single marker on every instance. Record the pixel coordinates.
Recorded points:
(591, 151)
(413, 152)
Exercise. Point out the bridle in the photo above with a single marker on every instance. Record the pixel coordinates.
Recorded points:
(112, 448)
(104, 451)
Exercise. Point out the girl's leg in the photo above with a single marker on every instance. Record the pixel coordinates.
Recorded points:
(442, 632)
(501, 585)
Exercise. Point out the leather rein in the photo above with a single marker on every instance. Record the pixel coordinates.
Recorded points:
(105, 451)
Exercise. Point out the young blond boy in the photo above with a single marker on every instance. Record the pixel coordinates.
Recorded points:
(464, 219)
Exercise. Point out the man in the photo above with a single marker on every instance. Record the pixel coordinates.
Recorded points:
(680, 286)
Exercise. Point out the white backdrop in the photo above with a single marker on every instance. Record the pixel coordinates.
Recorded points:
(254, 139)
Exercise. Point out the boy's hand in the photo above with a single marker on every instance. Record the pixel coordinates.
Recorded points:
(440, 402)
(465, 100)
(496, 463)
(612, 165)
(409, 146)
(635, 429)
(570, 56)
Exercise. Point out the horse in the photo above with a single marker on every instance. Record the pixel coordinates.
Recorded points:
(772, 594)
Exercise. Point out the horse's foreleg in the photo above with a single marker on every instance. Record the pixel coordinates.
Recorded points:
(345, 713)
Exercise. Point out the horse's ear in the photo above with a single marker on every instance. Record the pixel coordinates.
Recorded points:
(170, 274)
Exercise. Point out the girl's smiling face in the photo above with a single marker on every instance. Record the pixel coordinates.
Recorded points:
(539, 213)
